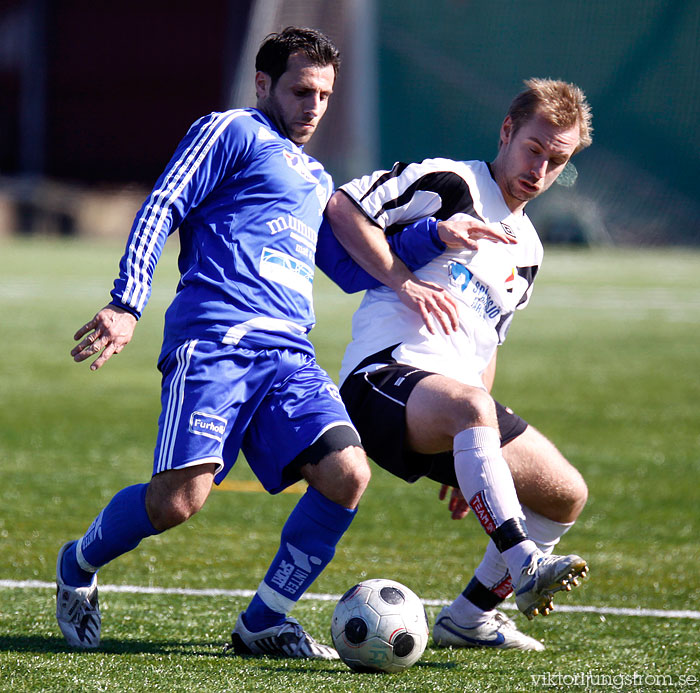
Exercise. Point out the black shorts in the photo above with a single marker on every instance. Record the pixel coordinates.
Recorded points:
(376, 403)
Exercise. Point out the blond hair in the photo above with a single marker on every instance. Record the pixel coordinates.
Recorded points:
(561, 104)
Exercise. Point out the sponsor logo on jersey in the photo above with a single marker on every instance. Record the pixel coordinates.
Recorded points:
(265, 134)
(209, 425)
(483, 513)
(297, 228)
(508, 230)
(460, 276)
(298, 165)
(333, 392)
(289, 577)
(482, 302)
(289, 271)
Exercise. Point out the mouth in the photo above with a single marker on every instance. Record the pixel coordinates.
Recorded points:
(527, 186)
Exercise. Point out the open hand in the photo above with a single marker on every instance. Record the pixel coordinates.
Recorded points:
(465, 233)
(432, 302)
(109, 332)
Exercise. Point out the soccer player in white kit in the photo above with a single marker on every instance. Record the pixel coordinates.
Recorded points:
(419, 396)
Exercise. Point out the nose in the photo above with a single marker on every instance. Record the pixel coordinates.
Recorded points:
(312, 105)
(539, 167)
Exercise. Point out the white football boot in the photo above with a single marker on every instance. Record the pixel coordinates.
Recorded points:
(498, 631)
(542, 577)
(288, 639)
(77, 610)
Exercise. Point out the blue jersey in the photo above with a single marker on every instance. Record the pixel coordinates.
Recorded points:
(249, 205)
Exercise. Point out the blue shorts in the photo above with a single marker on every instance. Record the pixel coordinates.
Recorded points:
(219, 399)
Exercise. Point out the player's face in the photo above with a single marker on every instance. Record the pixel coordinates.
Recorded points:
(299, 99)
(530, 159)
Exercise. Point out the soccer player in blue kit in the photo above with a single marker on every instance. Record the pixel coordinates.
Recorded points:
(238, 371)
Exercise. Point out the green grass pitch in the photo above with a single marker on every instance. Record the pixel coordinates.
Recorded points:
(605, 361)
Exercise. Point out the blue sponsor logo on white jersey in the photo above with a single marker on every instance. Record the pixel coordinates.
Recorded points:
(482, 301)
(460, 276)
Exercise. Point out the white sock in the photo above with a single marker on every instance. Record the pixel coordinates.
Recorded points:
(484, 477)
(544, 532)
(487, 484)
(492, 570)
(466, 613)
(516, 557)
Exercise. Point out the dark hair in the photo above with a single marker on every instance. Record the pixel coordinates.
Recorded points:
(276, 49)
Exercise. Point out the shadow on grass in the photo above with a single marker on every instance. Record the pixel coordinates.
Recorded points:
(38, 645)
(284, 669)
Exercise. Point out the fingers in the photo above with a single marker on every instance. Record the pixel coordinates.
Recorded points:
(108, 352)
(91, 344)
(432, 303)
(458, 507)
(440, 306)
(492, 235)
(465, 234)
(85, 329)
(108, 332)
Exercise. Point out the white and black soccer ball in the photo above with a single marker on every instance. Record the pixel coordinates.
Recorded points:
(379, 625)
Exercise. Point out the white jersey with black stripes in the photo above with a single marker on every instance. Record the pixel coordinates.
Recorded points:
(488, 284)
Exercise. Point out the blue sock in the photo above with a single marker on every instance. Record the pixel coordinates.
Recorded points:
(119, 528)
(308, 542)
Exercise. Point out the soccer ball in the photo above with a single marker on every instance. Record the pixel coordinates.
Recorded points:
(379, 625)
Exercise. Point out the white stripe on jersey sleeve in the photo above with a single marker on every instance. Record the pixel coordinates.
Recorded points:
(145, 237)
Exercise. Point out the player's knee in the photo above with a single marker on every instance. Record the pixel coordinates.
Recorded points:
(341, 476)
(167, 516)
(578, 494)
(353, 477)
(173, 497)
(470, 407)
(571, 498)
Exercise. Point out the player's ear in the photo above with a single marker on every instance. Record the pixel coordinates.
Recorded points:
(506, 130)
(263, 84)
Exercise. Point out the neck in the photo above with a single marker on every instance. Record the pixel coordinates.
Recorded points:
(270, 113)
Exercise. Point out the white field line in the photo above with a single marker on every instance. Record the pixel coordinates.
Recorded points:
(135, 589)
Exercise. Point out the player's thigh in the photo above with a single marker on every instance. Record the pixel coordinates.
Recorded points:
(209, 393)
(545, 480)
(439, 408)
(376, 402)
(300, 422)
